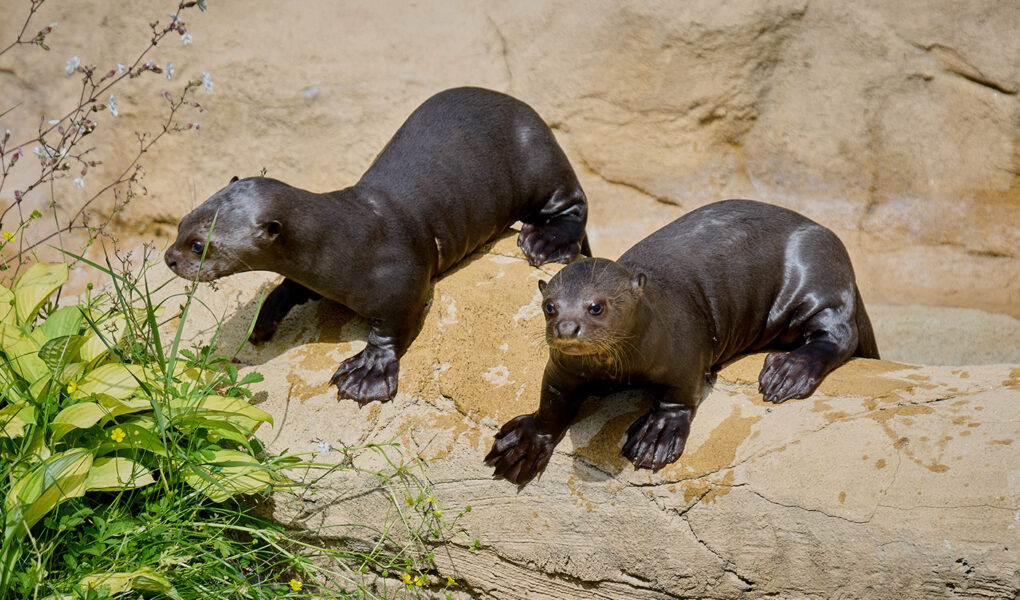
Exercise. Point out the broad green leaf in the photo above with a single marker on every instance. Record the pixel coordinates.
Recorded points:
(123, 407)
(95, 345)
(14, 418)
(22, 352)
(11, 386)
(60, 478)
(40, 388)
(77, 416)
(227, 473)
(60, 351)
(142, 580)
(118, 380)
(217, 429)
(7, 313)
(63, 322)
(35, 286)
(139, 434)
(235, 410)
(112, 474)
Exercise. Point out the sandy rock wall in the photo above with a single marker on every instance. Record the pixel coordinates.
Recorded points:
(896, 124)
(892, 481)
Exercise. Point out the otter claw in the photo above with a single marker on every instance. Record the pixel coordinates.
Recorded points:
(519, 452)
(658, 438)
(792, 375)
(547, 244)
(367, 377)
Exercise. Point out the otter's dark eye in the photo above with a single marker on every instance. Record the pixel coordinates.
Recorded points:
(550, 308)
(595, 309)
(197, 248)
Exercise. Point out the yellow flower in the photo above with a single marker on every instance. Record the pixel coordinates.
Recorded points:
(419, 580)
(8, 236)
(295, 585)
(117, 435)
(72, 386)
(439, 514)
(430, 499)
(409, 501)
(450, 581)
(406, 578)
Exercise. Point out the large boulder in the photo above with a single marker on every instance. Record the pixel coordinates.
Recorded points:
(891, 481)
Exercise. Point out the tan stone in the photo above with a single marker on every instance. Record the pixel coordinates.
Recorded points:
(892, 481)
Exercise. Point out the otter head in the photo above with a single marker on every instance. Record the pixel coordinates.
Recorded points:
(591, 306)
(231, 232)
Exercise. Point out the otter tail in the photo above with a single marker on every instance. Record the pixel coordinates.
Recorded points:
(867, 347)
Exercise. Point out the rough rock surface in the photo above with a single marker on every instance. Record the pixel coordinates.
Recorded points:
(892, 481)
(896, 124)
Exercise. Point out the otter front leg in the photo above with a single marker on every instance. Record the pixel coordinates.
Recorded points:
(278, 303)
(557, 234)
(523, 446)
(658, 438)
(371, 374)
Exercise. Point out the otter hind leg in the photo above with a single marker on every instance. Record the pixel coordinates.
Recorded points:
(557, 234)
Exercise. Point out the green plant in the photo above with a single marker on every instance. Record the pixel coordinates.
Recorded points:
(92, 404)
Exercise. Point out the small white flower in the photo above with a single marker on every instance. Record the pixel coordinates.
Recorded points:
(207, 81)
(112, 106)
(323, 446)
(201, 5)
(72, 65)
(38, 151)
(120, 68)
(79, 182)
(175, 18)
(53, 121)
(169, 70)
(186, 38)
(53, 25)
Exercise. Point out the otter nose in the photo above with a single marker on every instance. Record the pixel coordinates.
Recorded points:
(169, 259)
(568, 328)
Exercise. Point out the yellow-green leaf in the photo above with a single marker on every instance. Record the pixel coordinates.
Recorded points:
(142, 580)
(7, 313)
(60, 351)
(101, 336)
(14, 418)
(60, 478)
(77, 416)
(23, 353)
(138, 434)
(123, 407)
(111, 474)
(35, 286)
(227, 473)
(235, 410)
(114, 379)
(62, 322)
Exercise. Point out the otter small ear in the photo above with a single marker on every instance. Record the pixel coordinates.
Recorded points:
(542, 285)
(271, 230)
(233, 179)
(638, 283)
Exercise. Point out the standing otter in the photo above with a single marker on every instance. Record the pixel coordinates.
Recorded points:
(729, 277)
(464, 166)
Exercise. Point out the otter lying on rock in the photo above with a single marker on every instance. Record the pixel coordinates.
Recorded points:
(465, 165)
(729, 277)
